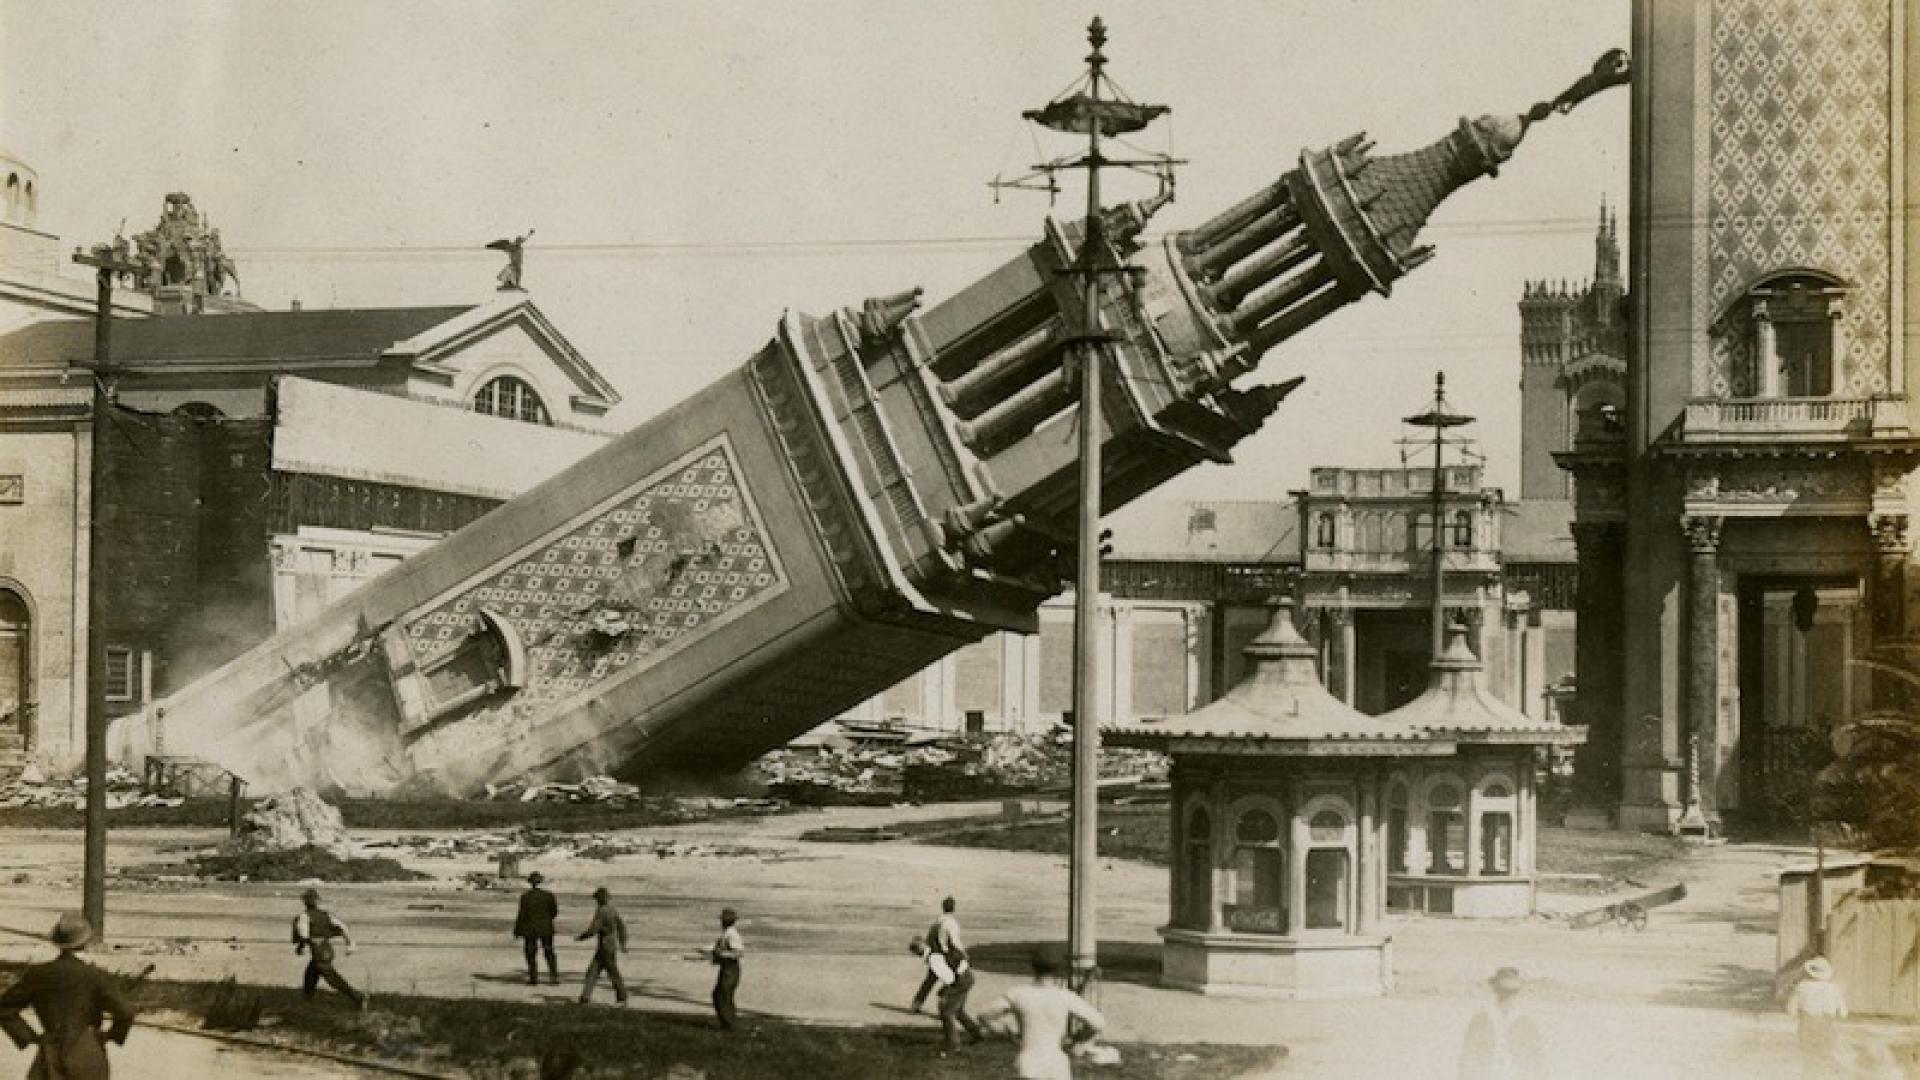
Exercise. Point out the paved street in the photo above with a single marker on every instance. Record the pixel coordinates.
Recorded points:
(827, 927)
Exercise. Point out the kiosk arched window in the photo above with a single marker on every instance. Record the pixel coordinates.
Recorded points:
(1259, 872)
(1328, 872)
(1446, 831)
(1496, 828)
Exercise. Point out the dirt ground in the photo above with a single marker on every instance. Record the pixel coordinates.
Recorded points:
(827, 925)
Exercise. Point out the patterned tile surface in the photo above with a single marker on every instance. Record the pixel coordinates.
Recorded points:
(1798, 170)
(665, 563)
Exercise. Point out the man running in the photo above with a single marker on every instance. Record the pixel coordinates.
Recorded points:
(313, 934)
(955, 976)
(609, 932)
(942, 937)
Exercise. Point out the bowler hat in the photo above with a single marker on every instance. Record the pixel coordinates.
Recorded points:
(535, 878)
(1819, 968)
(1507, 978)
(72, 931)
(601, 893)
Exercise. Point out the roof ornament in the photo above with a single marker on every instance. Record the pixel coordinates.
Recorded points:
(516, 249)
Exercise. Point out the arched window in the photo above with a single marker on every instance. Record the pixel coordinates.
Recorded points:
(1796, 317)
(1259, 873)
(511, 398)
(1446, 831)
(1198, 911)
(1323, 531)
(1496, 827)
(16, 672)
(1327, 871)
(1463, 529)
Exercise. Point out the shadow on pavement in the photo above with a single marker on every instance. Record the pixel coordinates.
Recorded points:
(1135, 962)
(1728, 986)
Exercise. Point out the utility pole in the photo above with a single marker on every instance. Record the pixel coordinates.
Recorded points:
(1441, 419)
(107, 260)
(1094, 108)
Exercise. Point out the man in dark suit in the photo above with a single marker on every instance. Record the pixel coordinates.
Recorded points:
(534, 927)
(70, 997)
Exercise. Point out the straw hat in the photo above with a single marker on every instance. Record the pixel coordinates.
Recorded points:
(72, 931)
(1507, 979)
(1819, 968)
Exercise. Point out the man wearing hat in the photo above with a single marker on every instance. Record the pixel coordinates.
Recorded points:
(609, 932)
(534, 927)
(313, 934)
(1502, 1041)
(70, 997)
(1818, 1006)
(726, 953)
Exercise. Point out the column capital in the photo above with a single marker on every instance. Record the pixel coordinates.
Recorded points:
(1889, 533)
(1702, 532)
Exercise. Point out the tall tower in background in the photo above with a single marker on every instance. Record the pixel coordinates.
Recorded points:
(1572, 361)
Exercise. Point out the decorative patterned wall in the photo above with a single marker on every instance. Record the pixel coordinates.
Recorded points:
(678, 555)
(1798, 150)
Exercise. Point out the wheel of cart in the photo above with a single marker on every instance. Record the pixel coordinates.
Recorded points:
(1631, 914)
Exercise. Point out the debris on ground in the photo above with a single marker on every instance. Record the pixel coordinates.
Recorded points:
(34, 788)
(294, 819)
(531, 843)
(933, 766)
(594, 789)
(309, 863)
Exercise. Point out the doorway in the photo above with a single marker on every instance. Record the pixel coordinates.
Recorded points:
(1799, 639)
(16, 678)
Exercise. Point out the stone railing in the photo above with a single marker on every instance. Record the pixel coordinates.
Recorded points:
(1343, 560)
(1819, 418)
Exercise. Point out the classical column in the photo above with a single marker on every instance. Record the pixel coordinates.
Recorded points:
(1349, 662)
(1703, 662)
(1889, 603)
(1766, 353)
(1366, 855)
(1599, 660)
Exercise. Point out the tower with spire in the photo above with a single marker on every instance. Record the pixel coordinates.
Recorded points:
(1572, 361)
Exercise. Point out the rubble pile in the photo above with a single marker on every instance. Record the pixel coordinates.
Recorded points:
(949, 767)
(291, 820)
(33, 788)
(539, 843)
(594, 789)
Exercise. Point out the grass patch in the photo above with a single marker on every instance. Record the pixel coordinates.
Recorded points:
(496, 1039)
(300, 864)
(1617, 857)
(1138, 833)
(211, 813)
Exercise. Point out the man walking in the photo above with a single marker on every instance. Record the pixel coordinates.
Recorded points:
(955, 976)
(1045, 1014)
(942, 937)
(726, 954)
(609, 932)
(1502, 1042)
(534, 927)
(313, 934)
(70, 997)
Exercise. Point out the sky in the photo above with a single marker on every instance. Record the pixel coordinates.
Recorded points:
(691, 171)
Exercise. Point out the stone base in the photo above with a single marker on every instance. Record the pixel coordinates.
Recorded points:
(1633, 817)
(1461, 897)
(1309, 966)
(1589, 817)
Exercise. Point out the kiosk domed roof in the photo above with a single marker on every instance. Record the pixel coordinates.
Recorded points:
(1456, 705)
(1279, 707)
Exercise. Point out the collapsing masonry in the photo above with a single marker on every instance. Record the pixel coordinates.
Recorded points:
(874, 489)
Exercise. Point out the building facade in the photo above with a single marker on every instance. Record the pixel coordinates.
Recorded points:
(1743, 540)
(250, 471)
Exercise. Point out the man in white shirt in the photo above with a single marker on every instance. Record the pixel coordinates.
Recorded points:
(1045, 1014)
(313, 933)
